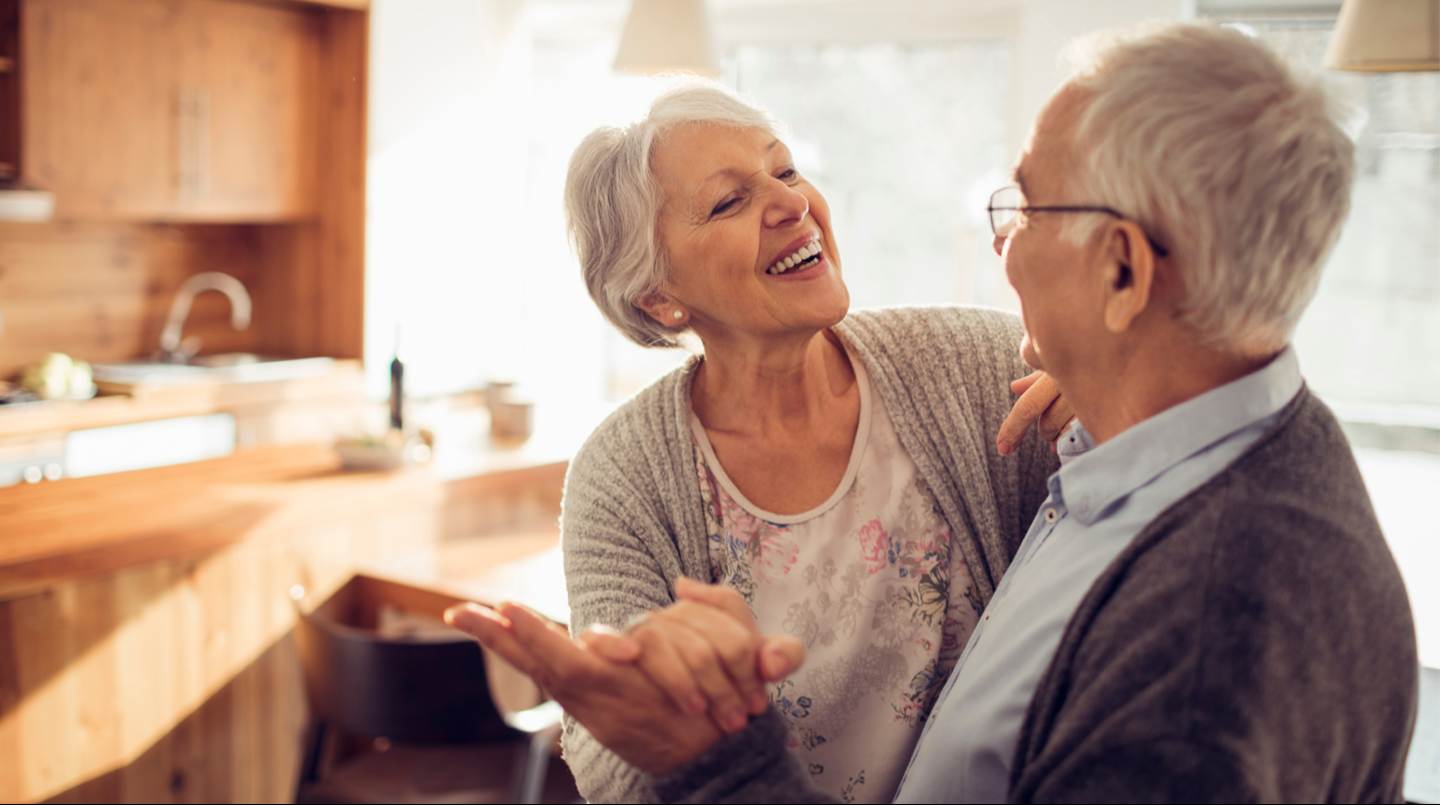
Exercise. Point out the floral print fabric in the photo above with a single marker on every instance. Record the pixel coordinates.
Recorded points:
(869, 583)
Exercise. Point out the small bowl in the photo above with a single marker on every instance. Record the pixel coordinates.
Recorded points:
(370, 455)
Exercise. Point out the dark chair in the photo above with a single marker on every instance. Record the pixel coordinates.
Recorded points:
(419, 704)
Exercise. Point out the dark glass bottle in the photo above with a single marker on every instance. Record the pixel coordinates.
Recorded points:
(397, 388)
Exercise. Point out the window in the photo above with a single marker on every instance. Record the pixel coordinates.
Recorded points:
(1370, 338)
(906, 142)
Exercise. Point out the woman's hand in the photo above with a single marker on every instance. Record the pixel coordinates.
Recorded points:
(1040, 405)
(613, 700)
(705, 652)
(596, 678)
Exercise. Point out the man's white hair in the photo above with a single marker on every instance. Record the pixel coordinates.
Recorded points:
(612, 203)
(1233, 163)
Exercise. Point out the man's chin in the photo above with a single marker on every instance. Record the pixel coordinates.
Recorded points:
(1029, 354)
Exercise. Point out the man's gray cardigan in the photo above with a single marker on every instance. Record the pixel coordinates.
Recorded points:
(1254, 643)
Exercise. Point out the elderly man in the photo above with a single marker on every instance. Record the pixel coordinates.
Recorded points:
(1204, 608)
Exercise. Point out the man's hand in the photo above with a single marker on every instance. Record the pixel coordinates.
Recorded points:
(1040, 405)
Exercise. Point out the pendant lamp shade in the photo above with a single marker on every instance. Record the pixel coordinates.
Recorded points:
(1386, 36)
(667, 36)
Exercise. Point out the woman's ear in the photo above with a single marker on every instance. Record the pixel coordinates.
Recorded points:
(662, 309)
(1129, 275)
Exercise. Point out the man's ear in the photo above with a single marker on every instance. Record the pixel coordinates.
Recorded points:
(1129, 275)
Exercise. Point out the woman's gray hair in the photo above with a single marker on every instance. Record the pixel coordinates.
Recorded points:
(612, 203)
(1235, 164)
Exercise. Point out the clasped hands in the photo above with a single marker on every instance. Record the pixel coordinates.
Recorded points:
(661, 692)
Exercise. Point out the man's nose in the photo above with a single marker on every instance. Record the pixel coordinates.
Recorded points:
(999, 244)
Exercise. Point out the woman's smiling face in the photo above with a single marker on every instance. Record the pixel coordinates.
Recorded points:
(746, 237)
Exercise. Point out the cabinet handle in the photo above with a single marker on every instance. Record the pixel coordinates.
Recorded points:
(202, 143)
(193, 141)
(184, 134)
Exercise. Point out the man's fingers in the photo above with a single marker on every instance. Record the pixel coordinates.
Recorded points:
(781, 656)
(735, 646)
(662, 662)
(719, 596)
(494, 632)
(727, 706)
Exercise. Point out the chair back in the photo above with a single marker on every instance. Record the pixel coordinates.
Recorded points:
(421, 689)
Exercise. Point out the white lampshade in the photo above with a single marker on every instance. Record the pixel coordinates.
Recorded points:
(667, 36)
(1385, 36)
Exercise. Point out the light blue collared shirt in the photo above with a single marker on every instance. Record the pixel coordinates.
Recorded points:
(1100, 499)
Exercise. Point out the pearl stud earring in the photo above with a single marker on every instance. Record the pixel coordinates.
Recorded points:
(678, 315)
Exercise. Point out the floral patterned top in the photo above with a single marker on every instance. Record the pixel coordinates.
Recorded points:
(868, 581)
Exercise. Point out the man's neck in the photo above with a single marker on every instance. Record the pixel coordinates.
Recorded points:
(1132, 388)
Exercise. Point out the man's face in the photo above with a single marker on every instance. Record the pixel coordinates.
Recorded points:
(1058, 288)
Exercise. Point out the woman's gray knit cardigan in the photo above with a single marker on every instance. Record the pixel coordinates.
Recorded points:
(633, 521)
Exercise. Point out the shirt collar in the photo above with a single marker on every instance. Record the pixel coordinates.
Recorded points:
(1095, 478)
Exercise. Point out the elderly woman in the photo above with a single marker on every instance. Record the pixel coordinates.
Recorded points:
(834, 468)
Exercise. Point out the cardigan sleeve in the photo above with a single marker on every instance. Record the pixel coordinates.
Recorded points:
(1022, 476)
(612, 575)
(750, 766)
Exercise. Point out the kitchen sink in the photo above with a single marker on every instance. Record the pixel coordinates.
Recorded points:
(230, 367)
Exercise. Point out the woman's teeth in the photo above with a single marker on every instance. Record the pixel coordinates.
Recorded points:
(805, 255)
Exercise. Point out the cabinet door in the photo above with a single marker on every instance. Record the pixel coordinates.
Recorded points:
(247, 88)
(99, 111)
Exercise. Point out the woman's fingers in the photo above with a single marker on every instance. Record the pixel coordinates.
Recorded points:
(610, 644)
(719, 596)
(1037, 396)
(1056, 419)
(1023, 384)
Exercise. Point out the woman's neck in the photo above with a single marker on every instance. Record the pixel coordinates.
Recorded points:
(771, 387)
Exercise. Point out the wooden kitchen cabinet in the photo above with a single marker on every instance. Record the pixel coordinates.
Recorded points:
(98, 105)
(181, 110)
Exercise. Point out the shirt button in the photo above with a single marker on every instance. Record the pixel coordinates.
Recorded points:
(1051, 516)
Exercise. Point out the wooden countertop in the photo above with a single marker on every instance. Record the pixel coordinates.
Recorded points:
(179, 399)
(82, 526)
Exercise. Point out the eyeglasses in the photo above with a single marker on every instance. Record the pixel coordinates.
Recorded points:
(1007, 203)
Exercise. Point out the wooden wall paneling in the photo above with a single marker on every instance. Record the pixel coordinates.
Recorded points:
(102, 291)
(100, 121)
(287, 251)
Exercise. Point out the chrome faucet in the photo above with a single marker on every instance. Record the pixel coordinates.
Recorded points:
(175, 350)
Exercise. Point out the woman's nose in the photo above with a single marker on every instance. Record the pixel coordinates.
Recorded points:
(786, 204)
